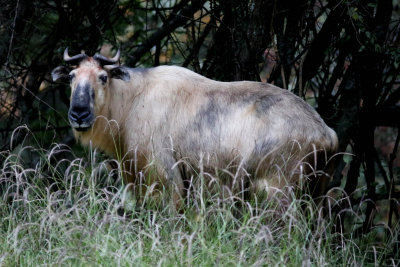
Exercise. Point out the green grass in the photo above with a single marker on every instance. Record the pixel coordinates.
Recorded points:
(68, 212)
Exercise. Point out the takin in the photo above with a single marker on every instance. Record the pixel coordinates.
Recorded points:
(170, 123)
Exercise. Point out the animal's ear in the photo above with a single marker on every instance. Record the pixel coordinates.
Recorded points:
(120, 73)
(60, 73)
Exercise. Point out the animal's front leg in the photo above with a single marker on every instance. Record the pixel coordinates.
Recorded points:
(168, 168)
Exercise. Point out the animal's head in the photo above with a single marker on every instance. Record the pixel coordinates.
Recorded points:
(89, 81)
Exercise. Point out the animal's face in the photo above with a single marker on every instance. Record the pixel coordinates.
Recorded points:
(90, 86)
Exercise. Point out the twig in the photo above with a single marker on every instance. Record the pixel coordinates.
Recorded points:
(12, 34)
(391, 192)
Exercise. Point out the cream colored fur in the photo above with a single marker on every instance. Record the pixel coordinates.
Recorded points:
(167, 113)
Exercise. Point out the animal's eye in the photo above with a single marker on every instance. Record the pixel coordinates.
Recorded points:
(71, 77)
(103, 78)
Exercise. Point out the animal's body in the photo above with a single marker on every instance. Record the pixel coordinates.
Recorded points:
(160, 116)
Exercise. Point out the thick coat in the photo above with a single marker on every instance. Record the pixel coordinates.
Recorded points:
(165, 117)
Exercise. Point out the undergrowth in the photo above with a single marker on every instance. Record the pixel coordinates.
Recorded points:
(77, 212)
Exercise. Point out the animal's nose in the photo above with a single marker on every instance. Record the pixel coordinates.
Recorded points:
(78, 116)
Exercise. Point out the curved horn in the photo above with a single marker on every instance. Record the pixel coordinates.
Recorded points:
(107, 61)
(74, 59)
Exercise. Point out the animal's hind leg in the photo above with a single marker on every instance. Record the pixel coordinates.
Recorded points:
(320, 175)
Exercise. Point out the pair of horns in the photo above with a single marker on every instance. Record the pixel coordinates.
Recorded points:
(75, 60)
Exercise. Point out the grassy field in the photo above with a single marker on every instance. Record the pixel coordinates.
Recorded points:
(77, 213)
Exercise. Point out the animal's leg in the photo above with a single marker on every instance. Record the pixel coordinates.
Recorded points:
(167, 168)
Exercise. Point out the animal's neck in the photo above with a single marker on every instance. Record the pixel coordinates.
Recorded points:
(104, 135)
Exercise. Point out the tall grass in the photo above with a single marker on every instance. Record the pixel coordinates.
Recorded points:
(78, 213)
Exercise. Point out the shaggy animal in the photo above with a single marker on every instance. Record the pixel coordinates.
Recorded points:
(175, 122)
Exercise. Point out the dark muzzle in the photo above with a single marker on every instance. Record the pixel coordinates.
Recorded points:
(80, 113)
